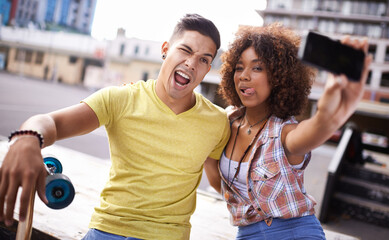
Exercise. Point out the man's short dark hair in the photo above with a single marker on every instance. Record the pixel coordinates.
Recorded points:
(195, 22)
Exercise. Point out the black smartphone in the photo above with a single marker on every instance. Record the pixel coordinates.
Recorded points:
(331, 55)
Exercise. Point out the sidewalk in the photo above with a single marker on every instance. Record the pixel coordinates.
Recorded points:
(89, 174)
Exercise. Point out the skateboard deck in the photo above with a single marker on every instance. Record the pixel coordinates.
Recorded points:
(25, 227)
(59, 193)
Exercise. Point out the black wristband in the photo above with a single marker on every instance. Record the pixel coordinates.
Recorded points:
(27, 132)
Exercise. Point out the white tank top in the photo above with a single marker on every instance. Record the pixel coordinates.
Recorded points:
(231, 166)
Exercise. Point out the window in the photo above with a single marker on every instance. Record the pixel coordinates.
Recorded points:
(372, 50)
(355, 7)
(23, 55)
(136, 50)
(346, 8)
(374, 31)
(368, 81)
(310, 5)
(25, 16)
(122, 47)
(381, 9)
(49, 16)
(280, 4)
(330, 5)
(73, 59)
(305, 23)
(385, 79)
(360, 29)
(19, 56)
(39, 58)
(327, 26)
(387, 55)
(28, 56)
(364, 8)
(372, 8)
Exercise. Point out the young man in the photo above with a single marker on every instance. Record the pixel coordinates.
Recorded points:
(160, 133)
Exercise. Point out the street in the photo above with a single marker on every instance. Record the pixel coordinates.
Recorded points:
(22, 97)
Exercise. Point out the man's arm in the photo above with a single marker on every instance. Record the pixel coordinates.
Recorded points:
(212, 171)
(23, 164)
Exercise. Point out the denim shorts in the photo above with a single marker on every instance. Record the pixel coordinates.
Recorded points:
(307, 227)
(94, 234)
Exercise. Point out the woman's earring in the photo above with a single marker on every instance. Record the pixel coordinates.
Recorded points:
(163, 56)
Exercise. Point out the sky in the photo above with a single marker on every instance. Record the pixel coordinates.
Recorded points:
(155, 19)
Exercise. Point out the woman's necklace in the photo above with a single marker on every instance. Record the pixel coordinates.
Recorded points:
(250, 126)
(244, 154)
(232, 151)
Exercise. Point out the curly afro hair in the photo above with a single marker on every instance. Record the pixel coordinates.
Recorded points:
(289, 79)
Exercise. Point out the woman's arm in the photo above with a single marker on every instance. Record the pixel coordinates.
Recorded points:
(212, 171)
(338, 102)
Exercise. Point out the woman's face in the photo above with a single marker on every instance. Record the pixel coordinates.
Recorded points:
(251, 81)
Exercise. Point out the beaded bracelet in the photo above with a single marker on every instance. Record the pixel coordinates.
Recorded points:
(27, 132)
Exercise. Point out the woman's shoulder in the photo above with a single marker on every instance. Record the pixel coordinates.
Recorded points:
(234, 112)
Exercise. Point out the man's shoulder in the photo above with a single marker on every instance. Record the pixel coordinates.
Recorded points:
(139, 86)
(206, 103)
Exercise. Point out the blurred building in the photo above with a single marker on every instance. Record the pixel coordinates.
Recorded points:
(337, 18)
(5, 9)
(82, 60)
(54, 15)
(75, 58)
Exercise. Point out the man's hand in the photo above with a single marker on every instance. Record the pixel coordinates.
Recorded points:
(22, 167)
(23, 164)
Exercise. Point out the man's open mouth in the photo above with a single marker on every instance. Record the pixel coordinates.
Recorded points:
(181, 78)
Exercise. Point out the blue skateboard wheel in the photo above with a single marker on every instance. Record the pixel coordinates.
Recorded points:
(52, 162)
(59, 191)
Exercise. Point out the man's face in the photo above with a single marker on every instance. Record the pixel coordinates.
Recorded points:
(188, 60)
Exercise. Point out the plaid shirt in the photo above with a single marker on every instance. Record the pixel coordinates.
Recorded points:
(275, 188)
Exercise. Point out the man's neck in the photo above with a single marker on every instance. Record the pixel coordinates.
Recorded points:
(176, 105)
(179, 106)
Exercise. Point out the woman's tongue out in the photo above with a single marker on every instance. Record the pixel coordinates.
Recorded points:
(181, 79)
(247, 91)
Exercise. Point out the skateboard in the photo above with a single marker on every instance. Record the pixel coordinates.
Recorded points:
(59, 193)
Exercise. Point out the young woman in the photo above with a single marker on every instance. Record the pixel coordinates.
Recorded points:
(263, 163)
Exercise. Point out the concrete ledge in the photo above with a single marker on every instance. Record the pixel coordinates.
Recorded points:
(89, 174)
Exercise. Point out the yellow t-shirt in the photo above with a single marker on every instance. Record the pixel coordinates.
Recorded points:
(157, 160)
